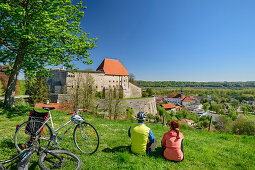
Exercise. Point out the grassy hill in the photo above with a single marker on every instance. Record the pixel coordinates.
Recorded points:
(202, 149)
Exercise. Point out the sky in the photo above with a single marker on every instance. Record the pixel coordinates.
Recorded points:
(174, 40)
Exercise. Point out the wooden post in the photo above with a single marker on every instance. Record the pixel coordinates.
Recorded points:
(210, 124)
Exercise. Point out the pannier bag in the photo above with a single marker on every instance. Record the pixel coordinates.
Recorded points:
(34, 126)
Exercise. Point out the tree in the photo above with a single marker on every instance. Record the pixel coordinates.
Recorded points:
(246, 108)
(35, 34)
(132, 78)
(206, 106)
(38, 88)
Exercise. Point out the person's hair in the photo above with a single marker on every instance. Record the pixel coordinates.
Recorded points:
(174, 125)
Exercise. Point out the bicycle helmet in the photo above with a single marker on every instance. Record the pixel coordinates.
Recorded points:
(141, 116)
(78, 119)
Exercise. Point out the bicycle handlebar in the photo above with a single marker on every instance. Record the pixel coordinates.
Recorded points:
(77, 110)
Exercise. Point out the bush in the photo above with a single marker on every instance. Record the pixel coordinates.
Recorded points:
(244, 126)
(150, 116)
(223, 124)
(186, 126)
(20, 101)
(203, 124)
(129, 113)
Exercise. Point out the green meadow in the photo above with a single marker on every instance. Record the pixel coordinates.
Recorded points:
(202, 149)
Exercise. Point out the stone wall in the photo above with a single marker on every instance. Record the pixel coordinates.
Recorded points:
(147, 105)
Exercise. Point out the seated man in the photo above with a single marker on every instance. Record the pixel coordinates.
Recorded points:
(142, 138)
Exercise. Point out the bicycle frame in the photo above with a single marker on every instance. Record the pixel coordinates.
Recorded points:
(52, 126)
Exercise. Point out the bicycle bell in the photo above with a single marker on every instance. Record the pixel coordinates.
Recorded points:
(78, 119)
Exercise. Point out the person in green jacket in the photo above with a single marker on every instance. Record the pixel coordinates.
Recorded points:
(142, 138)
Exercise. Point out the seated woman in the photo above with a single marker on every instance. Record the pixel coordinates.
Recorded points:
(172, 143)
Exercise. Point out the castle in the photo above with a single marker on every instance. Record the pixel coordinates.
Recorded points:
(110, 74)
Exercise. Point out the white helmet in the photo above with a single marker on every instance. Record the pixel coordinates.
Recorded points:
(78, 119)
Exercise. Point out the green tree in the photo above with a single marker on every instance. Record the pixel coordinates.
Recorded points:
(149, 92)
(34, 34)
(131, 78)
(246, 108)
(232, 113)
(38, 89)
(206, 106)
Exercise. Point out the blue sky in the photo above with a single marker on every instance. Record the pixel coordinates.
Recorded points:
(176, 40)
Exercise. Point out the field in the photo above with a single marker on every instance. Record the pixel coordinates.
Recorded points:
(202, 149)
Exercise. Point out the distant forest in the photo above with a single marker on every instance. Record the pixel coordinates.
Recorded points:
(144, 84)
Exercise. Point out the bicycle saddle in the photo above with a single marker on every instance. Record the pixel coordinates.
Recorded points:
(48, 108)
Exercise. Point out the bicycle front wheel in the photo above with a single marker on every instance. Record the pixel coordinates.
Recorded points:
(59, 159)
(26, 134)
(86, 138)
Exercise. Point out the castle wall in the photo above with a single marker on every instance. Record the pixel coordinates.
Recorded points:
(101, 81)
(147, 105)
(133, 91)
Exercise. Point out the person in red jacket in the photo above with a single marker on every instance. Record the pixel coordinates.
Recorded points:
(172, 143)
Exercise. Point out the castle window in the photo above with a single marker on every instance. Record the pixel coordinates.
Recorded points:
(109, 81)
(116, 81)
(113, 81)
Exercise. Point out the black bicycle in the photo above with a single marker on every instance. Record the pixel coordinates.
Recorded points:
(49, 159)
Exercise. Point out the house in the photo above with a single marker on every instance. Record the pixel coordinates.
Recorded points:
(187, 100)
(196, 105)
(169, 107)
(189, 122)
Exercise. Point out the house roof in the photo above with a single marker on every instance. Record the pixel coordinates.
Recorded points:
(187, 99)
(187, 120)
(168, 106)
(175, 96)
(112, 67)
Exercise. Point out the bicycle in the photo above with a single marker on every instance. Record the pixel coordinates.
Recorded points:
(85, 135)
(49, 159)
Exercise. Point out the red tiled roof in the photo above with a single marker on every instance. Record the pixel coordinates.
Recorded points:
(187, 99)
(113, 67)
(168, 106)
(58, 106)
(187, 120)
(175, 96)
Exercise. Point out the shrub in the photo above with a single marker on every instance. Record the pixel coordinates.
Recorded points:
(186, 126)
(129, 113)
(223, 124)
(244, 126)
(203, 124)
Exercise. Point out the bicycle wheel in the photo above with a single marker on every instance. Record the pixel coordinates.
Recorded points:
(68, 160)
(86, 138)
(25, 135)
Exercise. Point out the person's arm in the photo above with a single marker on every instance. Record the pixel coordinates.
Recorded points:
(163, 143)
(151, 137)
(129, 134)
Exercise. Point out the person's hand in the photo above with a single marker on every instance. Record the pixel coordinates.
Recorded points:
(134, 117)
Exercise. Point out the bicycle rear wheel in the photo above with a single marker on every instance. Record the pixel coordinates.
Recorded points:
(25, 135)
(86, 138)
(68, 160)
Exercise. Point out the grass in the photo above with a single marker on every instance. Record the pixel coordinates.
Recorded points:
(202, 149)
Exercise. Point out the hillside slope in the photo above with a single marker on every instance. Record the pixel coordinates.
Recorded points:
(202, 149)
